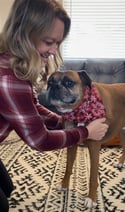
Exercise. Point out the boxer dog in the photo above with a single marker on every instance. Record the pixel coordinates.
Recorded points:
(80, 100)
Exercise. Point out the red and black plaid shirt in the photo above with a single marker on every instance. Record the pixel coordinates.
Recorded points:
(21, 111)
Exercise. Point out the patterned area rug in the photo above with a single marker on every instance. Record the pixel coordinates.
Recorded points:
(35, 176)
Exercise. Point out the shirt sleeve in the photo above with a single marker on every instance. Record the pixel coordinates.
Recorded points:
(17, 108)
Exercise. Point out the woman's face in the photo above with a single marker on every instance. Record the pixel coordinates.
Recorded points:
(49, 45)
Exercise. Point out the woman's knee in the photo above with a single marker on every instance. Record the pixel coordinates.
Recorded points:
(6, 183)
(4, 205)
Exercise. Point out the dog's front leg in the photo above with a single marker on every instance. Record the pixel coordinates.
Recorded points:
(71, 154)
(70, 158)
(94, 148)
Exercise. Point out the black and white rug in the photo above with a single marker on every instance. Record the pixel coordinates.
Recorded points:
(36, 174)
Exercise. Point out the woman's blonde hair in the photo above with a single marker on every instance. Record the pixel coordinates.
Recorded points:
(29, 19)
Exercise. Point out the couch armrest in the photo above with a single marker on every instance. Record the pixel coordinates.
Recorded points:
(106, 70)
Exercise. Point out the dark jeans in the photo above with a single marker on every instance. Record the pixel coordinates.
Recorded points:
(6, 187)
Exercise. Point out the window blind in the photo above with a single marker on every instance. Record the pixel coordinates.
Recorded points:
(97, 29)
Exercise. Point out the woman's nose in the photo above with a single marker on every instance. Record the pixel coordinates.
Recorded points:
(53, 49)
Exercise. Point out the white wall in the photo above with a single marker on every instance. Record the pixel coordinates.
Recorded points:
(4, 10)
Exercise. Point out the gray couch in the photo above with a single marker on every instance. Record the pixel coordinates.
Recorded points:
(99, 70)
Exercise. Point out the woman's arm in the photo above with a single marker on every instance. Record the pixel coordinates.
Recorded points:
(17, 108)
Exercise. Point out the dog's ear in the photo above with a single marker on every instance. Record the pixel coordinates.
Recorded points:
(85, 78)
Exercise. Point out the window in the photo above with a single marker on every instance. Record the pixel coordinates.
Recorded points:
(97, 29)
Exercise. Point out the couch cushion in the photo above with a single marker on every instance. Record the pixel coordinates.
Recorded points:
(78, 64)
(106, 70)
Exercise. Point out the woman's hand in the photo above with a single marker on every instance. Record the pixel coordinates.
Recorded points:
(97, 129)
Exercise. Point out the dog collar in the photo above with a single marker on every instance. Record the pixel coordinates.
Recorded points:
(91, 108)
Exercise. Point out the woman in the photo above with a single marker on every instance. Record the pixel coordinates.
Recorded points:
(29, 50)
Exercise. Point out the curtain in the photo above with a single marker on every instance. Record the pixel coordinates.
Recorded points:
(97, 29)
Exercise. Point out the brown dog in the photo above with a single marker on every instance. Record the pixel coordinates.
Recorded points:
(74, 90)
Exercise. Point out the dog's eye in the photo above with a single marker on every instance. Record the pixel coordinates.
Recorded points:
(68, 82)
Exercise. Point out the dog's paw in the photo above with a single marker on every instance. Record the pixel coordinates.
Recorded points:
(88, 203)
(118, 165)
(60, 188)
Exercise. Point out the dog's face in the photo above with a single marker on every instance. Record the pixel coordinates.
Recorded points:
(66, 89)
